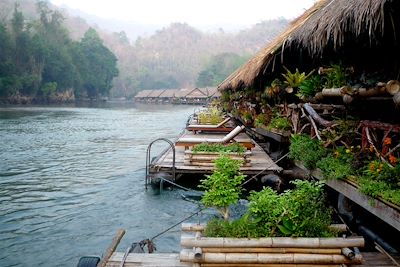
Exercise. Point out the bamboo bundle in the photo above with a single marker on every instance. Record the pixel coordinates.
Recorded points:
(272, 252)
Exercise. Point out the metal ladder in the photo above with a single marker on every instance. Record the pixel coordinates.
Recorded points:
(148, 161)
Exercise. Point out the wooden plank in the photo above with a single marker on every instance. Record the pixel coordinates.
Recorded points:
(144, 259)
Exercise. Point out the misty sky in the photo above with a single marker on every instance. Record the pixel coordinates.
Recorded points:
(194, 12)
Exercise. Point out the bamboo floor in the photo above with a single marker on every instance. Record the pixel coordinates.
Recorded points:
(375, 259)
(260, 160)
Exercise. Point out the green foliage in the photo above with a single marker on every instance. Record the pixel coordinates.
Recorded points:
(241, 228)
(310, 86)
(212, 115)
(219, 68)
(219, 148)
(334, 168)
(295, 79)
(38, 57)
(307, 150)
(300, 212)
(261, 120)
(376, 188)
(280, 123)
(336, 77)
(222, 188)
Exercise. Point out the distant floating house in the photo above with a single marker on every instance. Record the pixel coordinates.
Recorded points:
(179, 96)
(154, 95)
(142, 95)
(168, 95)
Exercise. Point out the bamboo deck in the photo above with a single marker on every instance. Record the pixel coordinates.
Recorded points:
(260, 161)
(375, 259)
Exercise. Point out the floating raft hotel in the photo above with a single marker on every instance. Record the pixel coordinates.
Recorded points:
(259, 161)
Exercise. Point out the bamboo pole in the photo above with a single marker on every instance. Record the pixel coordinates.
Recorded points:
(278, 242)
(110, 250)
(254, 258)
(393, 87)
(274, 250)
(268, 265)
(348, 253)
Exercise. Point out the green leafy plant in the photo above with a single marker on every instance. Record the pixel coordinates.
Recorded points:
(261, 120)
(241, 228)
(212, 115)
(381, 180)
(247, 117)
(219, 148)
(334, 168)
(335, 77)
(280, 123)
(297, 212)
(295, 79)
(306, 150)
(222, 188)
(310, 86)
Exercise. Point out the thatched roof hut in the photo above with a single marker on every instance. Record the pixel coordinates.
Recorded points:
(156, 93)
(169, 93)
(360, 33)
(143, 94)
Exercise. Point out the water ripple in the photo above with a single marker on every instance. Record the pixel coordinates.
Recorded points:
(69, 177)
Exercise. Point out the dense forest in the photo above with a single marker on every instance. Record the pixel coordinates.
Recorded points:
(38, 59)
(46, 53)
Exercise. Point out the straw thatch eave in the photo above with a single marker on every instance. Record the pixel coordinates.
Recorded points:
(328, 30)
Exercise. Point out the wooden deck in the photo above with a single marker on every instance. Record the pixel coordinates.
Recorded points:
(375, 259)
(260, 161)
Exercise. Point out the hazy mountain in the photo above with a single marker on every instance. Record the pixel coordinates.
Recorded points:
(151, 57)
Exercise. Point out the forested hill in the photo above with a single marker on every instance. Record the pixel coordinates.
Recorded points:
(175, 56)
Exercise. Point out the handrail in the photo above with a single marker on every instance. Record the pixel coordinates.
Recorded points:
(148, 161)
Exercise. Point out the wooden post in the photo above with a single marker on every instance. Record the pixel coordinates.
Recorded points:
(110, 250)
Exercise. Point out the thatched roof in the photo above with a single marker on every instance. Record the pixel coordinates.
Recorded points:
(156, 93)
(318, 34)
(169, 93)
(196, 93)
(143, 93)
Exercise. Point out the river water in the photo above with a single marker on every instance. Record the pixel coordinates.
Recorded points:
(70, 177)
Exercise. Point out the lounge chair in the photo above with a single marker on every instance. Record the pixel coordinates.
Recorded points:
(211, 128)
(192, 141)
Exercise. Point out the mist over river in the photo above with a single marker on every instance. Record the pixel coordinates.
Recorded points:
(71, 176)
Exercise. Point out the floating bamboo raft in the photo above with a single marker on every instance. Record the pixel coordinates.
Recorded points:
(274, 251)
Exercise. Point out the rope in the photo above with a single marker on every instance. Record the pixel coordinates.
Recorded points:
(266, 168)
(178, 223)
(177, 185)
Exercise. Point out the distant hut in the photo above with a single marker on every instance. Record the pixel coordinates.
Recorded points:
(154, 95)
(180, 96)
(168, 95)
(213, 93)
(142, 95)
(364, 34)
(196, 96)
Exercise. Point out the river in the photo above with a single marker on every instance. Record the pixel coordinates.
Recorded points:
(71, 176)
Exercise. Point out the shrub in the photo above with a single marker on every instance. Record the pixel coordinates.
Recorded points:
(334, 168)
(230, 148)
(307, 150)
(300, 212)
(222, 188)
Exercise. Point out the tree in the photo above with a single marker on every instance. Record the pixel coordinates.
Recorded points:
(98, 65)
(219, 68)
(222, 188)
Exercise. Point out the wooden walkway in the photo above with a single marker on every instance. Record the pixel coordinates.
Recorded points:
(375, 259)
(260, 161)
